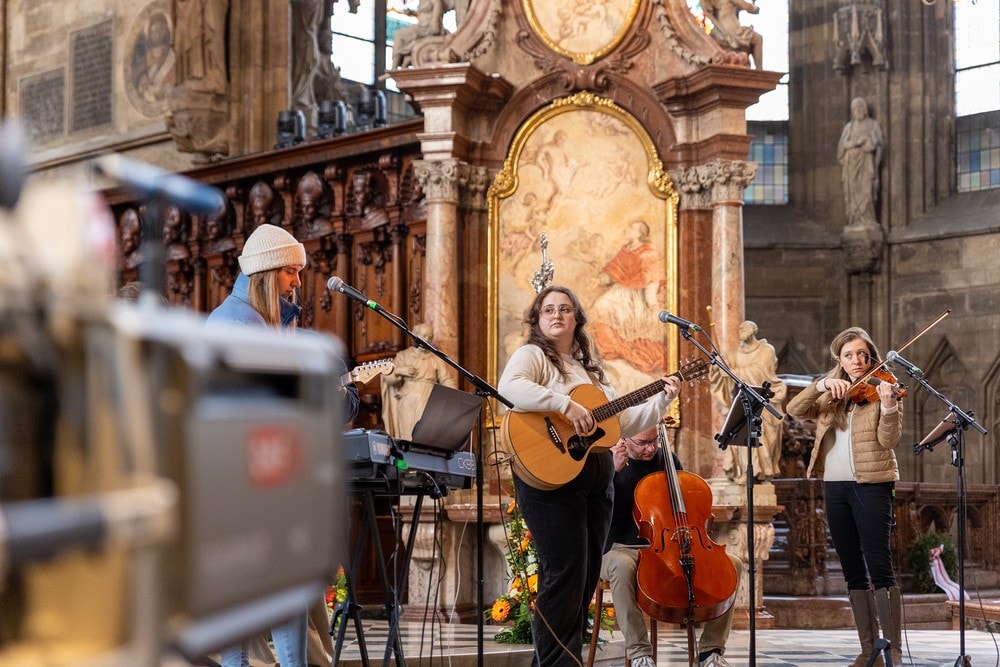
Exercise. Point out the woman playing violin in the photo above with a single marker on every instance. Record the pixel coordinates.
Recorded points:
(853, 455)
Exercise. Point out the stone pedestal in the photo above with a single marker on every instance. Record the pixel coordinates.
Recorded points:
(730, 513)
(442, 570)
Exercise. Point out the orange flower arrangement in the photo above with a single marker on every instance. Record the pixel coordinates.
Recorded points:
(518, 604)
(337, 593)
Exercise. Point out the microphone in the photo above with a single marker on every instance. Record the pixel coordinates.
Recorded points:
(149, 181)
(336, 284)
(667, 318)
(908, 366)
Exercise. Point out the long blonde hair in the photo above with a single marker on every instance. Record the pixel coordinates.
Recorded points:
(265, 296)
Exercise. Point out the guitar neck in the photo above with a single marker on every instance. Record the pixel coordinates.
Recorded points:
(611, 408)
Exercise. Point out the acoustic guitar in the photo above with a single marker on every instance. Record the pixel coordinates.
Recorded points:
(367, 371)
(547, 451)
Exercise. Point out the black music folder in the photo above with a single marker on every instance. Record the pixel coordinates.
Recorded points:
(446, 422)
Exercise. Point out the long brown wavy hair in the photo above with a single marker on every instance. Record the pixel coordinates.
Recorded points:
(582, 349)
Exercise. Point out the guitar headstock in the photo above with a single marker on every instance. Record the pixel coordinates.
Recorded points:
(371, 369)
(692, 370)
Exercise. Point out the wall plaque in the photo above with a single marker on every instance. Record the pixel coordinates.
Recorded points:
(43, 105)
(90, 60)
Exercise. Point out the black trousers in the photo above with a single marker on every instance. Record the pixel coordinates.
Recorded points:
(569, 526)
(860, 520)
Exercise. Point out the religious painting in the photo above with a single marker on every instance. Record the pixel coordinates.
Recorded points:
(583, 178)
(149, 63)
(583, 30)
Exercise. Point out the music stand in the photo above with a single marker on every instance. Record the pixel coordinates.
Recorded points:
(446, 422)
(952, 428)
(735, 429)
(939, 433)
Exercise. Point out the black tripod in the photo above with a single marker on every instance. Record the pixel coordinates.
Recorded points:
(744, 421)
(952, 428)
(882, 646)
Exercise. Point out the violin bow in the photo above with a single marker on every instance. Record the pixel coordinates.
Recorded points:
(864, 378)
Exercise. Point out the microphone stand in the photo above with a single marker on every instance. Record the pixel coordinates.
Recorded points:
(485, 390)
(751, 403)
(955, 435)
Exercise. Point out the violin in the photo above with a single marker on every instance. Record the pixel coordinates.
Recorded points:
(866, 391)
(683, 576)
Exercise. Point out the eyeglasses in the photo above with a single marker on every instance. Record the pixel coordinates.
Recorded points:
(550, 311)
(644, 443)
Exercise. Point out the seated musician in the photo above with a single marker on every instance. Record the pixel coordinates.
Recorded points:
(634, 458)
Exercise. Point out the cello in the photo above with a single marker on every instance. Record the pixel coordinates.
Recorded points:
(683, 576)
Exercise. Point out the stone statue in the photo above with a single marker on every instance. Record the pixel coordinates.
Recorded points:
(755, 363)
(729, 32)
(314, 76)
(430, 17)
(860, 155)
(198, 119)
(406, 389)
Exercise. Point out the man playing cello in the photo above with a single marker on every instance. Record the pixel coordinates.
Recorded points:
(634, 458)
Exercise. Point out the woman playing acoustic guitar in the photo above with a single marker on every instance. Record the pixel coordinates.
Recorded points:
(568, 523)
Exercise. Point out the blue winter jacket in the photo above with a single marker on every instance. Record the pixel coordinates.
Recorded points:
(236, 308)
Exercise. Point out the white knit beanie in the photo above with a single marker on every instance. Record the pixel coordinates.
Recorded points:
(271, 247)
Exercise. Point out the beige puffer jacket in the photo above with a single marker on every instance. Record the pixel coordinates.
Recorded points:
(873, 435)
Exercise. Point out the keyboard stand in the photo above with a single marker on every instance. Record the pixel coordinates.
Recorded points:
(349, 608)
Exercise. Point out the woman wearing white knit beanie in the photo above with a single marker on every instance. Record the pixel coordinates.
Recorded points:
(264, 292)
(264, 295)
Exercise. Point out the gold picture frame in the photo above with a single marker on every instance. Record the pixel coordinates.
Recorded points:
(586, 173)
(582, 30)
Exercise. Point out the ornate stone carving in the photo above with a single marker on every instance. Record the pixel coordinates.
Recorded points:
(858, 31)
(477, 33)
(717, 181)
(474, 193)
(441, 180)
(863, 247)
(661, 14)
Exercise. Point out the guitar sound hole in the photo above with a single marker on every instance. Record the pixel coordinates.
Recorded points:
(579, 445)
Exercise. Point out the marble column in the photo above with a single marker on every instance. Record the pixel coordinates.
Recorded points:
(719, 184)
(442, 181)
